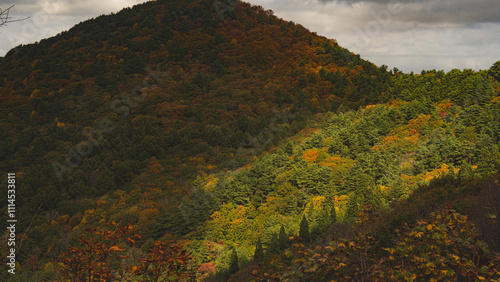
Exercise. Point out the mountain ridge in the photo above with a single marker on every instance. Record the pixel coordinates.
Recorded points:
(174, 118)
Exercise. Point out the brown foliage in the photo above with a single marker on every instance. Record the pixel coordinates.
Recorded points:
(97, 255)
(166, 261)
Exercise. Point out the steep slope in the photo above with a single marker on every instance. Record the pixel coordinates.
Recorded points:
(137, 103)
(377, 194)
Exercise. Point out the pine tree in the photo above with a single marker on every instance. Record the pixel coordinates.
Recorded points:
(304, 230)
(273, 245)
(495, 71)
(466, 172)
(234, 265)
(311, 207)
(333, 214)
(105, 182)
(288, 148)
(329, 209)
(352, 206)
(259, 252)
(282, 239)
(322, 222)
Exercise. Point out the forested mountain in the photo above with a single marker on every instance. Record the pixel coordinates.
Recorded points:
(192, 139)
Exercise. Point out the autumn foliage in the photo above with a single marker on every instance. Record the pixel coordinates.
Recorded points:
(166, 261)
(254, 143)
(98, 254)
(443, 247)
(101, 252)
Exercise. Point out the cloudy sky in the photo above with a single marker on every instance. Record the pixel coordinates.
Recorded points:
(408, 34)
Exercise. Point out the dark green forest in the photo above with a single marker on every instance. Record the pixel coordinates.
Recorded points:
(193, 141)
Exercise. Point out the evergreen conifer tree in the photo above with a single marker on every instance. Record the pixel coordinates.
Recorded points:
(273, 245)
(259, 252)
(352, 206)
(466, 172)
(333, 214)
(234, 265)
(282, 239)
(304, 233)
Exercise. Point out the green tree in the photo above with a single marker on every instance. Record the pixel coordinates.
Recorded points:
(282, 239)
(259, 252)
(304, 232)
(105, 182)
(326, 217)
(288, 148)
(77, 189)
(466, 172)
(333, 213)
(495, 71)
(352, 206)
(234, 265)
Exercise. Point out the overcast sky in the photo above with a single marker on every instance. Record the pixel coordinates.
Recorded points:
(408, 34)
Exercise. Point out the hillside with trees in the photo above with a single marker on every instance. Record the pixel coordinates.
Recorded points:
(212, 141)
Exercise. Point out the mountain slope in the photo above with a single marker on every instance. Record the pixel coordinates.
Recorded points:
(144, 100)
(376, 194)
(221, 126)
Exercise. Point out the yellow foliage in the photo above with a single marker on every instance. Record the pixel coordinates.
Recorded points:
(385, 189)
(332, 161)
(196, 160)
(48, 266)
(412, 139)
(318, 203)
(89, 212)
(216, 215)
(396, 103)
(419, 122)
(390, 139)
(211, 184)
(101, 202)
(270, 199)
(341, 199)
(63, 219)
(413, 180)
(210, 167)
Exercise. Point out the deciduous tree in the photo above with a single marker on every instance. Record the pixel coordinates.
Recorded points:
(5, 18)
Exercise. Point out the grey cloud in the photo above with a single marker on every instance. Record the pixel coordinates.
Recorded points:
(49, 17)
(410, 35)
(463, 12)
(72, 7)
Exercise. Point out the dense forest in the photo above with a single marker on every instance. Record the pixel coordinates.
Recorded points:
(211, 141)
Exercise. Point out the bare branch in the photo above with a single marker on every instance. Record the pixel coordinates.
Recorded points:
(4, 17)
